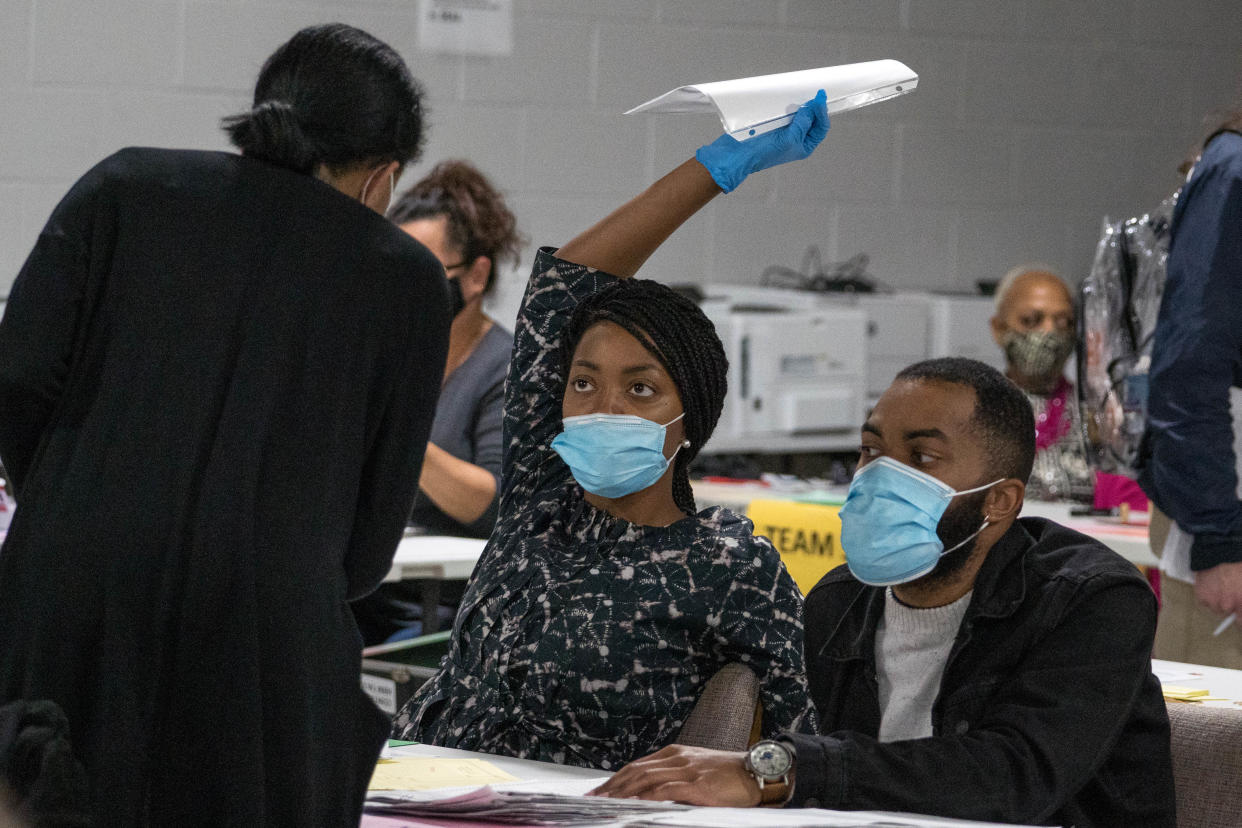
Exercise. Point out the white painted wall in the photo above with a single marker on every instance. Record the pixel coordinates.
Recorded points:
(1033, 118)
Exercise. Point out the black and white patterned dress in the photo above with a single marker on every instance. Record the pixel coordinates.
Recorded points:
(583, 639)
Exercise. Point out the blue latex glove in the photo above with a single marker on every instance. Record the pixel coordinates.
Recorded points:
(729, 160)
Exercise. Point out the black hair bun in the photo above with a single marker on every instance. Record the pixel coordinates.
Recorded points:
(271, 131)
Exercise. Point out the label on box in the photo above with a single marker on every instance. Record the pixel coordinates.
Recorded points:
(383, 691)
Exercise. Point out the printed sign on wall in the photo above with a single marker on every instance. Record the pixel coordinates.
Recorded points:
(466, 27)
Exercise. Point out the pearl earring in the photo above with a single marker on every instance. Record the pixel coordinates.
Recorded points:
(685, 443)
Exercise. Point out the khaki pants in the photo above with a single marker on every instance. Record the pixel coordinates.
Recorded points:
(1184, 631)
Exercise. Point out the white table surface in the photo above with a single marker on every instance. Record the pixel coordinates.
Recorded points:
(440, 557)
(1220, 681)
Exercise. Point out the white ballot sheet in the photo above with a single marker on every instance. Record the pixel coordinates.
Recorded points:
(753, 106)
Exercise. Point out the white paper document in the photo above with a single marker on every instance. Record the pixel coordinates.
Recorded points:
(562, 803)
(753, 106)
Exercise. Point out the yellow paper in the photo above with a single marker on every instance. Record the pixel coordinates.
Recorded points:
(807, 536)
(424, 773)
(1176, 691)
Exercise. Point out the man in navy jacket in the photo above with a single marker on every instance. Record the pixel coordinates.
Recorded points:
(1190, 463)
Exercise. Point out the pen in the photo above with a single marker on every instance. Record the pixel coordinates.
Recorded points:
(1224, 625)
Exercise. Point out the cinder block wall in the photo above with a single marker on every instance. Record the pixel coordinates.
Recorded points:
(1033, 118)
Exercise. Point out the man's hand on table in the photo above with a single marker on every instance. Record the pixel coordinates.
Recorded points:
(695, 776)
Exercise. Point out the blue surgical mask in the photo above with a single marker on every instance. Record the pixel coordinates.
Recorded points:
(889, 520)
(613, 455)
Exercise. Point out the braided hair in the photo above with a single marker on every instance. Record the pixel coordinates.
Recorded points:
(677, 333)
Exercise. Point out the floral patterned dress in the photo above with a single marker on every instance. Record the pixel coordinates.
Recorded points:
(583, 639)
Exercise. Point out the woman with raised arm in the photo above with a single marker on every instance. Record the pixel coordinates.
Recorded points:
(603, 601)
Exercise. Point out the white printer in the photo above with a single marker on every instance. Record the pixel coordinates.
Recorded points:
(904, 328)
(805, 366)
(797, 371)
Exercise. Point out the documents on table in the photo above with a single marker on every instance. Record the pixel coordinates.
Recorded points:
(752, 106)
(563, 802)
(425, 773)
(534, 803)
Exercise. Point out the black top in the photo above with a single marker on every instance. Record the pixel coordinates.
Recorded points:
(217, 380)
(1048, 712)
(584, 639)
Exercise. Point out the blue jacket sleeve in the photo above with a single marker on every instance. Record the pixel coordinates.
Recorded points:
(1197, 358)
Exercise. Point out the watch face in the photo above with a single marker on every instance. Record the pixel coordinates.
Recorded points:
(770, 760)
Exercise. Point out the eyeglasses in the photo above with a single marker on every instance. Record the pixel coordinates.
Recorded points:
(449, 267)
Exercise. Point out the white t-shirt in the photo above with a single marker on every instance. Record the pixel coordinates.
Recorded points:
(911, 647)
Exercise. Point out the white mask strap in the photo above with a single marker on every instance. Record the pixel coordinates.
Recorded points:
(968, 538)
(978, 488)
(392, 186)
(675, 419)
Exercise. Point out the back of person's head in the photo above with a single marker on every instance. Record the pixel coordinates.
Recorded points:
(332, 95)
(479, 222)
(677, 333)
(1002, 412)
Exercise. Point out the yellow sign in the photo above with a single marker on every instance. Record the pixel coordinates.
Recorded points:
(808, 536)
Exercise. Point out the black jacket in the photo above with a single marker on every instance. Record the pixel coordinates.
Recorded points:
(217, 379)
(1048, 711)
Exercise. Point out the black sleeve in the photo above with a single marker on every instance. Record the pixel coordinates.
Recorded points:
(395, 454)
(40, 325)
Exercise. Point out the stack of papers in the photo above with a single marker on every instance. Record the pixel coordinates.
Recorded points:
(517, 807)
(426, 773)
(563, 802)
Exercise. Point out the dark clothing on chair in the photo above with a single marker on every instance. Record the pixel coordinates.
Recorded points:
(1048, 711)
(217, 380)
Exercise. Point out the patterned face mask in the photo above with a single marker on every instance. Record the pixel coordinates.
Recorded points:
(1038, 354)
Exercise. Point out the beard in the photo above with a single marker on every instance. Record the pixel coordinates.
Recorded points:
(961, 520)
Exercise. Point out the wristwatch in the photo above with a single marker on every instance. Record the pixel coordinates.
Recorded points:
(770, 763)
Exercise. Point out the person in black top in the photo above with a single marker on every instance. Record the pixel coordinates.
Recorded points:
(218, 374)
